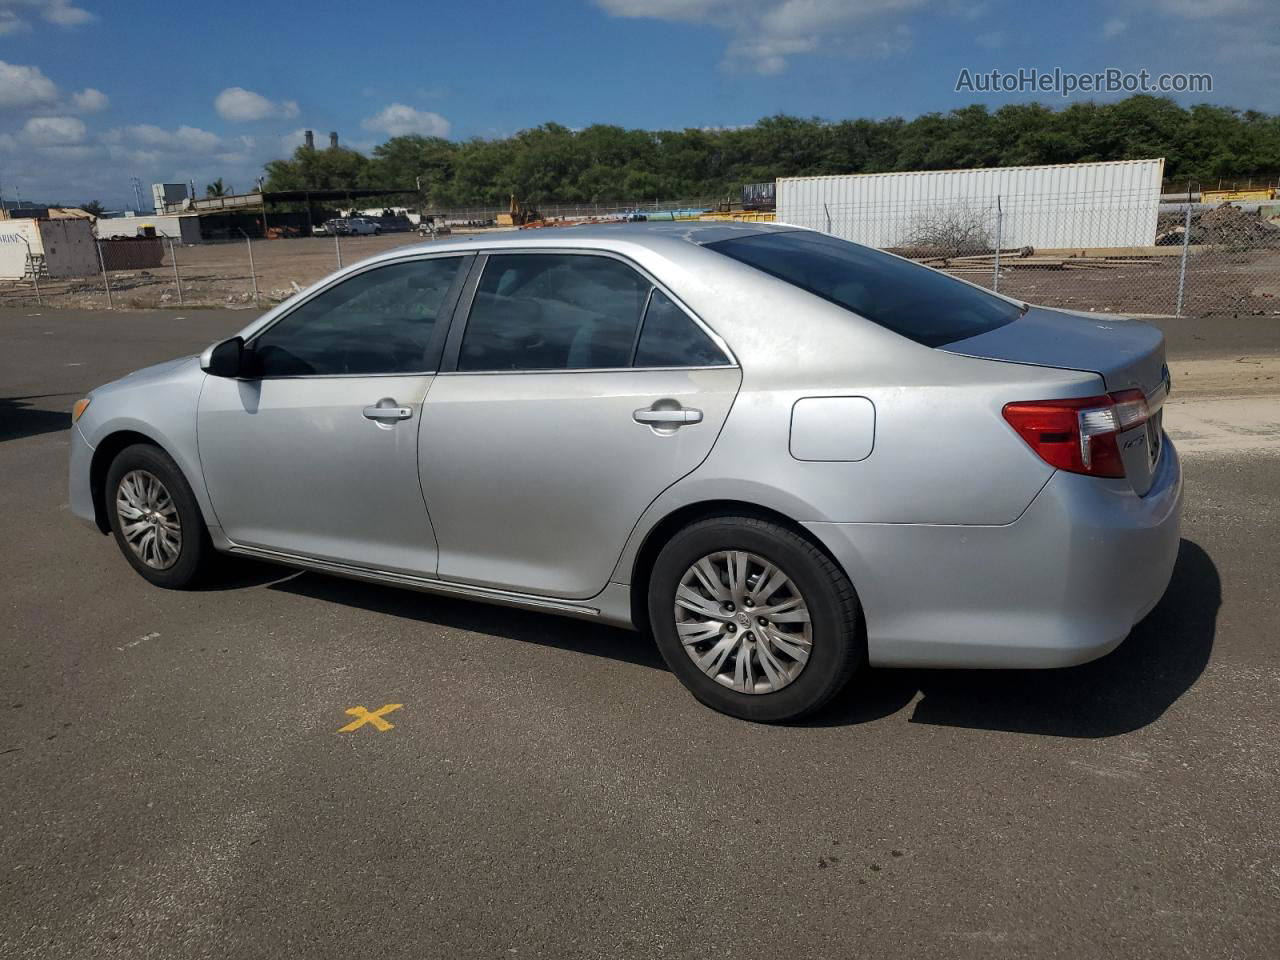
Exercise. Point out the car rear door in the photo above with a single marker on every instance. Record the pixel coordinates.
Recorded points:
(317, 455)
(574, 390)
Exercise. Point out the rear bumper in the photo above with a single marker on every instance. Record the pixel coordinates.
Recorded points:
(1061, 585)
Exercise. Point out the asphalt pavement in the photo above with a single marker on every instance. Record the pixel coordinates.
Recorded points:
(174, 783)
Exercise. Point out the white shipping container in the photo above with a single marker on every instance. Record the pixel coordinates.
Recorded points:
(1111, 204)
(67, 247)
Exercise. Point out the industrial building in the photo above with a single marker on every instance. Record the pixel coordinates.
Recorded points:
(181, 228)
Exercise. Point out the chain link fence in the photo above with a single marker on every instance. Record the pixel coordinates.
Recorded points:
(1104, 251)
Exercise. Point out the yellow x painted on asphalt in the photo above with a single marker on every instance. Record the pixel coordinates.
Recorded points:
(363, 716)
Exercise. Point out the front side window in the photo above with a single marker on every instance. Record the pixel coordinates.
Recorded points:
(553, 312)
(379, 321)
(923, 305)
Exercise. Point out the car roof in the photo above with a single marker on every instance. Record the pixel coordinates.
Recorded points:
(659, 235)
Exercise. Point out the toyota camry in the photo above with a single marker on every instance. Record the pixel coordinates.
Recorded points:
(784, 456)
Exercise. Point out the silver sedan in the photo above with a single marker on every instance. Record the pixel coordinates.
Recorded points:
(784, 455)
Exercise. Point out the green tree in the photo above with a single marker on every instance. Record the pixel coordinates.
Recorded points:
(218, 189)
(334, 168)
(607, 163)
(422, 163)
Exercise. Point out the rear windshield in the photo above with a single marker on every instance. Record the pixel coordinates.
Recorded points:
(922, 304)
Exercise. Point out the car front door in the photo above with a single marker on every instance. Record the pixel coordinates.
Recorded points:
(316, 454)
(576, 392)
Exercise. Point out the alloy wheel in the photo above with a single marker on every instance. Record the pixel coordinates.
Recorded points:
(149, 519)
(743, 621)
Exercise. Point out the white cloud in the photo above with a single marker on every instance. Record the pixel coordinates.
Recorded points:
(62, 13)
(239, 104)
(23, 86)
(763, 34)
(156, 139)
(53, 131)
(290, 142)
(10, 22)
(66, 14)
(90, 100)
(1236, 41)
(1113, 28)
(399, 119)
(53, 158)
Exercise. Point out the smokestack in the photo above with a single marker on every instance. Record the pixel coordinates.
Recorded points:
(333, 140)
(309, 139)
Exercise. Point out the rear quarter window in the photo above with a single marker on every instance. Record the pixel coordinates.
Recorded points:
(923, 305)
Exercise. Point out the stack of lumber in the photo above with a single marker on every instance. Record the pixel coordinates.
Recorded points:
(1020, 259)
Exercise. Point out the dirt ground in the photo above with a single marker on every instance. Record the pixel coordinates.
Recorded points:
(1217, 282)
(216, 274)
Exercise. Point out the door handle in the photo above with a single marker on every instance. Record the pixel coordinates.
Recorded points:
(387, 409)
(668, 418)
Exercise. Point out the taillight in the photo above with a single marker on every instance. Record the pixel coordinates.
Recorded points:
(1080, 434)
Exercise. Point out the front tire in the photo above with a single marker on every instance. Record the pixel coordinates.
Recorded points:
(754, 619)
(155, 518)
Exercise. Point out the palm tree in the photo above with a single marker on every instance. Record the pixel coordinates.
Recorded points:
(218, 189)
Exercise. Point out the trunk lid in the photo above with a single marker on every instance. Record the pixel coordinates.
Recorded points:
(1126, 354)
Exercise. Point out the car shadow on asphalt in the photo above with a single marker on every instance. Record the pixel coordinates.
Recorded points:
(18, 418)
(564, 633)
(1126, 690)
(236, 573)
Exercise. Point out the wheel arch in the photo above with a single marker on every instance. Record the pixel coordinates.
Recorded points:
(104, 454)
(661, 533)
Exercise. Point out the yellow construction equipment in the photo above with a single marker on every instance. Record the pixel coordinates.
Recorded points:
(517, 215)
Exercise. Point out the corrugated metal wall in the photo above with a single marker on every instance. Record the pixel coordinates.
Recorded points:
(1067, 205)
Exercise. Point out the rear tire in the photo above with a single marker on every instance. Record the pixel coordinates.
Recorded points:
(155, 519)
(763, 656)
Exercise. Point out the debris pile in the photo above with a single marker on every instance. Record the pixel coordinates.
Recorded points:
(1226, 224)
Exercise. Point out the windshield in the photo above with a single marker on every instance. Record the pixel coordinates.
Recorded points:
(923, 305)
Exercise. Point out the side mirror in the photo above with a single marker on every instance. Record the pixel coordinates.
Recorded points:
(225, 359)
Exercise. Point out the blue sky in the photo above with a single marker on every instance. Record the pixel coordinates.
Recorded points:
(94, 92)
